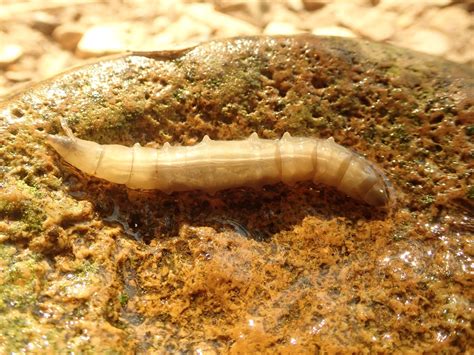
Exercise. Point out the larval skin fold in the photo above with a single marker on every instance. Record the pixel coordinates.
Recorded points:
(217, 165)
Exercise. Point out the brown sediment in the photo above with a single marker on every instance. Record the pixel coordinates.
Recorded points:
(276, 269)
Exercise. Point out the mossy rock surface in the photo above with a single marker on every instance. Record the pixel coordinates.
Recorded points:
(91, 266)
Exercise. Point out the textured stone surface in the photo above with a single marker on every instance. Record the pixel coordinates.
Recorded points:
(47, 30)
(87, 265)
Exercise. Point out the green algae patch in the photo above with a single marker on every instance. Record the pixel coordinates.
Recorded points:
(21, 208)
(87, 266)
(22, 277)
(23, 333)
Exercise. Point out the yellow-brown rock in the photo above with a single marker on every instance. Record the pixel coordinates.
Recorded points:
(90, 266)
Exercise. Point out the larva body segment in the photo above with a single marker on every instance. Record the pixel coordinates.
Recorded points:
(217, 165)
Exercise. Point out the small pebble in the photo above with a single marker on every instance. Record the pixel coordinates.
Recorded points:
(281, 28)
(424, 40)
(9, 54)
(223, 25)
(54, 63)
(295, 5)
(68, 36)
(180, 34)
(44, 22)
(451, 20)
(102, 39)
(312, 5)
(333, 31)
(371, 23)
(18, 76)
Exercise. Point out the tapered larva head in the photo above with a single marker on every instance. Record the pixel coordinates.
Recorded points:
(82, 154)
(63, 145)
(377, 195)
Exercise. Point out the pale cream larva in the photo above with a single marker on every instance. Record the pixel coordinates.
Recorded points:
(217, 165)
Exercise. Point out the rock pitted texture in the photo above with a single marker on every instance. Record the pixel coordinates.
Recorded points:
(88, 265)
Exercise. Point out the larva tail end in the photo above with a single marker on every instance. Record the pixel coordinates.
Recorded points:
(377, 196)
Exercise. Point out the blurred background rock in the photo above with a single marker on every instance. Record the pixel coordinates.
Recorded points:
(40, 38)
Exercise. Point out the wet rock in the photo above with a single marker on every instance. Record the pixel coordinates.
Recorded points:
(280, 268)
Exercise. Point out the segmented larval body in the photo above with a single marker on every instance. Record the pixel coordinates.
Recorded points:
(217, 165)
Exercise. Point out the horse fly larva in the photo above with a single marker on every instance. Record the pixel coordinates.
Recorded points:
(217, 165)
